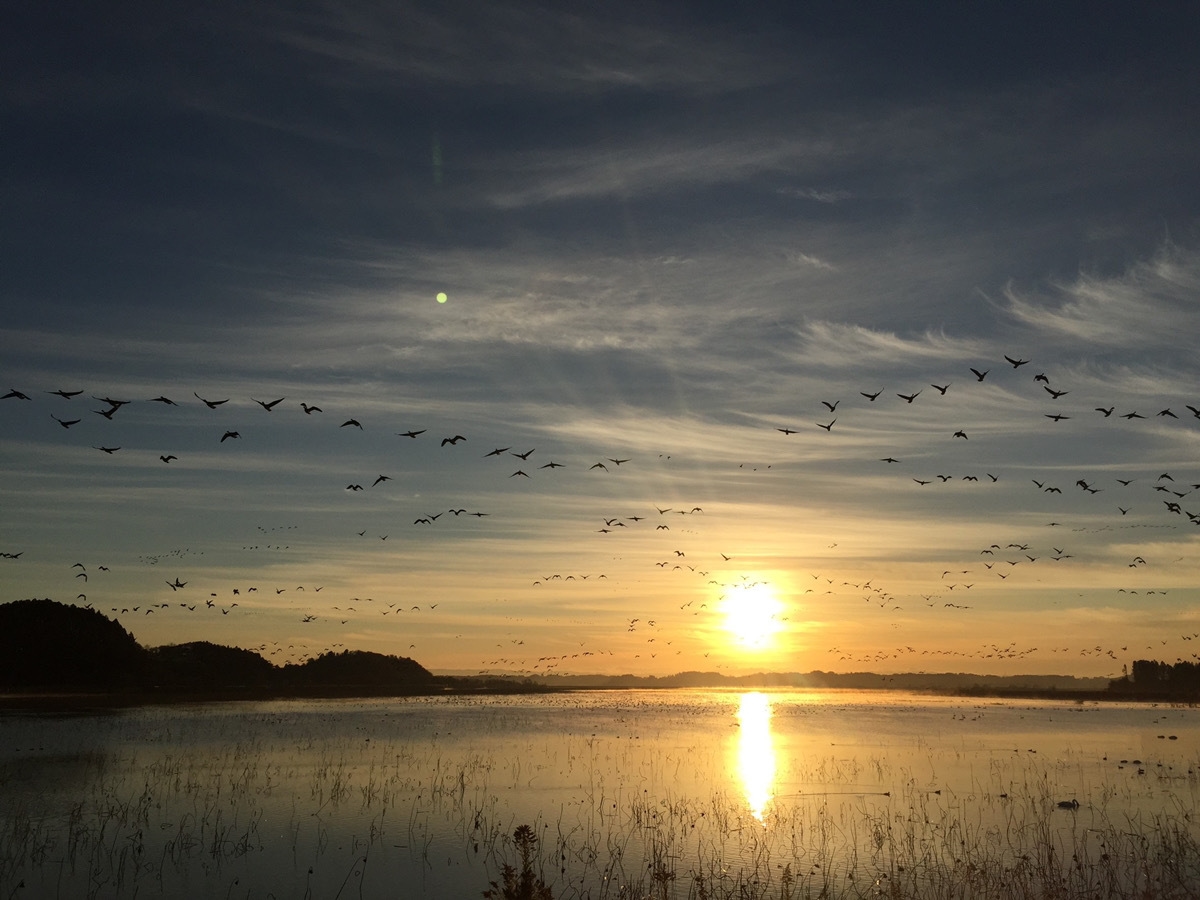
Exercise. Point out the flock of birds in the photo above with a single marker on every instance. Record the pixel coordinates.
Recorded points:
(950, 591)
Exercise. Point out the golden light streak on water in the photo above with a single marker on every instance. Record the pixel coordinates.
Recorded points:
(756, 752)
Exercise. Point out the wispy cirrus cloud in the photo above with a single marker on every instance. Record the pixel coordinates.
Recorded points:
(1154, 303)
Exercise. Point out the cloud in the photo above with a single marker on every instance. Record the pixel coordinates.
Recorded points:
(1155, 303)
(543, 48)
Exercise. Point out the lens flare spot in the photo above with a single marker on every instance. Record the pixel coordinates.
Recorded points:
(441, 297)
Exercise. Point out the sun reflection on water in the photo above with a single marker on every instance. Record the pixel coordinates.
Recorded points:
(756, 752)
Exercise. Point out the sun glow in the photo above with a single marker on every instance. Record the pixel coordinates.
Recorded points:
(752, 614)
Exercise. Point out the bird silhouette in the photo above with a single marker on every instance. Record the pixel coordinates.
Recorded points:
(872, 397)
(65, 423)
(168, 457)
(268, 406)
(66, 395)
(211, 404)
(357, 424)
(229, 434)
(309, 410)
(1016, 363)
(940, 389)
(828, 427)
(166, 401)
(410, 434)
(909, 398)
(14, 394)
(980, 375)
(454, 440)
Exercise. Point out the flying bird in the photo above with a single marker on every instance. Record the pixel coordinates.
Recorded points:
(167, 458)
(65, 423)
(909, 397)
(357, 424)
(497, 452)
(1053, 393)
(453, 440)
(268, 406)
(211, 404)
(980, 375)
(66, 395)
(164, 400)
(229, 434)
(873, 396)
(109, 450)
(410, 434)
(828, 427)
(940, 389)
(1016, 363)
(381, 478)
(14, 394)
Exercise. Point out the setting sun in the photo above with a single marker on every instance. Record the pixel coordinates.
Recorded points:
(752, 614)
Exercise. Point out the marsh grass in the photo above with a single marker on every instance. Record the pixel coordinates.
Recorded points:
(273, 815)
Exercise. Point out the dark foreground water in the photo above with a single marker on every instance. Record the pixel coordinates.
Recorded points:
(629, 794)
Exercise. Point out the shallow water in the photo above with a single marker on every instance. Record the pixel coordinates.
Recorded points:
(629, 793)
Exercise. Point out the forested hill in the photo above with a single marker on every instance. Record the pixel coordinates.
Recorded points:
(54, 647)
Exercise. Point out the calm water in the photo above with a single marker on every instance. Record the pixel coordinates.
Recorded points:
(633, 793)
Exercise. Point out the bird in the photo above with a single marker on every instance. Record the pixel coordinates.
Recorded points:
(168, 457)
(616, 461)
(1132, 415)
(109, 450)
(211, 404)
(354, 487)
(497, 452)
(14, 394)
(357, 424)
(167, 401)
(523, 456)
(65, 423)
(1016, 363)
(309, 410)
(1053, 393)
(961, 434)
(66, 395)
(551, 465)
(177, 584)
(909, 397)
(889, 459)
(268, 406)
(410, 434)
(940, 389)
(786, 430)
(453, 440)
(229, 434)
(828, 427)
(381, 478)
(980, 375)
(598, 465)
(832, 407)
(872, 397)
(1107, 412)
(1055, 416)
(519, 472)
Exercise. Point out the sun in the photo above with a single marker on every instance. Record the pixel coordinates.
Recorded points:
(752, 614)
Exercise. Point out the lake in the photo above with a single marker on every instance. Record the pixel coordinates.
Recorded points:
(626, 794)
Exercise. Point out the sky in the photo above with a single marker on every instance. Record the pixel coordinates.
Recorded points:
(690, 263)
